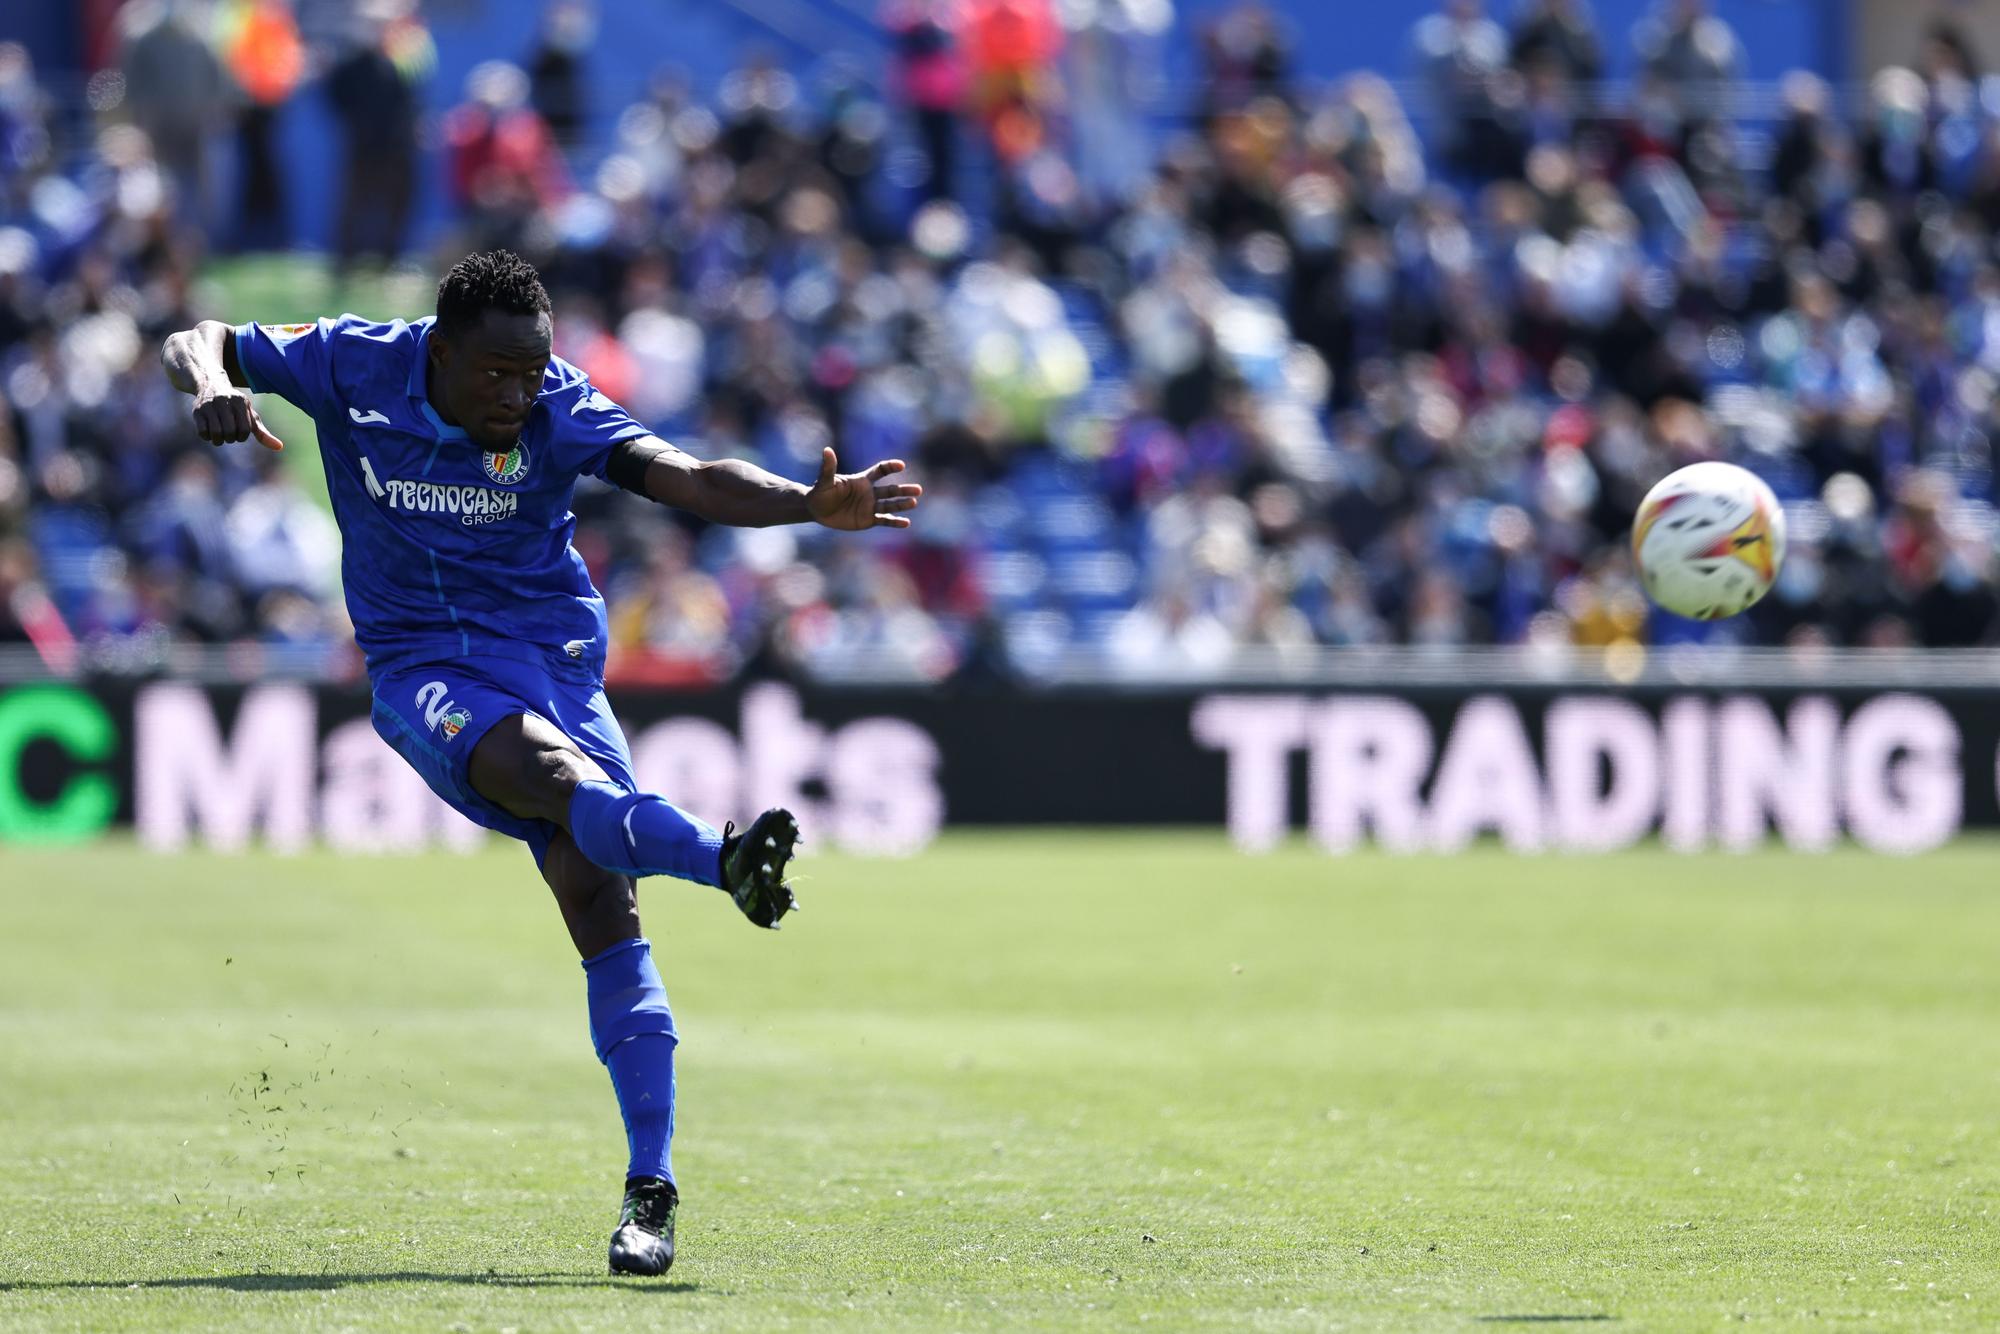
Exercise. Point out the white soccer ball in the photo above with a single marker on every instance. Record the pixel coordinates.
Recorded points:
(1709, 540)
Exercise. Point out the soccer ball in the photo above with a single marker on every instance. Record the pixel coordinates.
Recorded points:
(1709, 540)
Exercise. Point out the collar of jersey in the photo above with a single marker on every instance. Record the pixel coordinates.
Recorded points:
(420, 389)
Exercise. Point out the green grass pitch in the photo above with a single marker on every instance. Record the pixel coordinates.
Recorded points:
(1039, 1081)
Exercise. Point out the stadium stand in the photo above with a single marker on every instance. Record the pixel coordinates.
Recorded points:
(1294, 366)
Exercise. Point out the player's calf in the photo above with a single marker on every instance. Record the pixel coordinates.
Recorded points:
(632, 1029)
(598, 906)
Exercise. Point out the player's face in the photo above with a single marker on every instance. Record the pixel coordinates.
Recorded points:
(488, 375)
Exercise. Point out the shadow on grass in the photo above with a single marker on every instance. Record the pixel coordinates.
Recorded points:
(279, 1282)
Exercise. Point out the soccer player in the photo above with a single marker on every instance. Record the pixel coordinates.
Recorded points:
(452, 446)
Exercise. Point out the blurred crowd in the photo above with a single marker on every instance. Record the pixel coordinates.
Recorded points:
(1287, 366)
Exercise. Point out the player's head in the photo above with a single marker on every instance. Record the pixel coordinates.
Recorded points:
(490, 346)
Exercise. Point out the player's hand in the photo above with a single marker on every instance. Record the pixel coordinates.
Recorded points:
(858, 500)
(226, 415)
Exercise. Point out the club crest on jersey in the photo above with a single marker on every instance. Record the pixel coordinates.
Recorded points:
(505, 466)
(454, 722)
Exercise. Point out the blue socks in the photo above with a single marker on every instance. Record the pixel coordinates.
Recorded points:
(633, 1032)
(639, 834)
(642, 1074)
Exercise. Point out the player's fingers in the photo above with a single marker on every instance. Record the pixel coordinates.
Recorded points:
(907, 489)
(827, 463)
(891, 521)
(203, 427)
(895, 504)
(883, 469)
(263, 432)
(238, 417)
(214, 418)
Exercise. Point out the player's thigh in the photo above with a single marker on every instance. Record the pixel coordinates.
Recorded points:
(435, 715)
(584, 715)
(528, 766)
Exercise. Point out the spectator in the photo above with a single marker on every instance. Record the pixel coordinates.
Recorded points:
(27, 614)
(1696, 55)
(502, 161)
(930, 77)
(1801, 156)
(1246, 56)
(758, 103)
(1897, 155)
(175, 92)
(849, 149)
(672, 623)
(1950, 63)
(1011, 47)
(1462, 55)
(1560, 36)
(13, 480)
(557, 87)
(266, 58)
(1112, 77)
(24, 131)
(182, 534)
(280, 541)
(374, 87)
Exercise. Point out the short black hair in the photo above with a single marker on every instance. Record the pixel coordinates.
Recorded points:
(489, 280)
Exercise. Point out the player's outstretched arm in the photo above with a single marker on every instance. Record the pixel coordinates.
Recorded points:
(202, 361)
(741, 494)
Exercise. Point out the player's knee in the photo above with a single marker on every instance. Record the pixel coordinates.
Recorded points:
(547, 774)
(557, 769)
(527, 767)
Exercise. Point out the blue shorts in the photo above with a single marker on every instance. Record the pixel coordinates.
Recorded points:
(433, 715)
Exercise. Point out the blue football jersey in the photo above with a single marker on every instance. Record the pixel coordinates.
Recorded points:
(447, 548)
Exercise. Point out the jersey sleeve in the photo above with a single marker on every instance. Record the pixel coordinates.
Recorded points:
(293, 361)
(589, 425)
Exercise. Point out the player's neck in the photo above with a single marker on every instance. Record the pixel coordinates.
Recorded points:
(436, 401)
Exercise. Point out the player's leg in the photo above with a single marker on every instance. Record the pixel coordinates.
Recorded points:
(752, 863)
(599, 907)
(438, 717)
(529, 766)
(633, 1031)
(532, 768)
